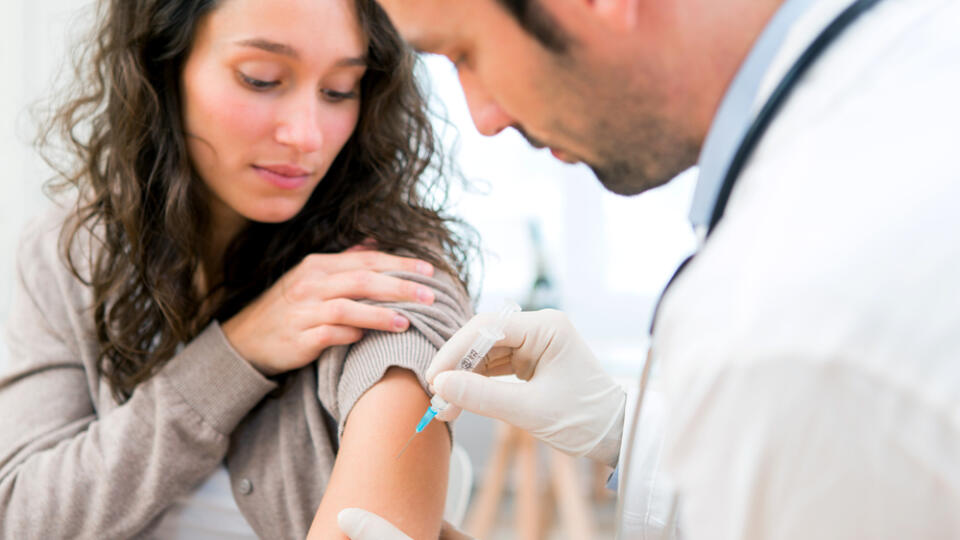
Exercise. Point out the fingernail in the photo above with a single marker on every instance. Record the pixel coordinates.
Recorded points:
(400, 323)
(425, 269)
(424, 295)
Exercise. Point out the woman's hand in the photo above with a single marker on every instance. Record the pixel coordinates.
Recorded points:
(313, 306)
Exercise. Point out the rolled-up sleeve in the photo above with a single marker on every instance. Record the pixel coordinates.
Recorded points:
(345, 373)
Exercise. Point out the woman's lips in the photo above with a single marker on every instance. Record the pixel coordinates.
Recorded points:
(283, 176)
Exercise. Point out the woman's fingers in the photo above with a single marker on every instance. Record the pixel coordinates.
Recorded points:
(364, 260)
(343, 312)
(367, 245)
(315, 306)
(322, 337)
(361, 284)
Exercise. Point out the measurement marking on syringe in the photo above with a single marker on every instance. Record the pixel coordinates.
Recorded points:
(470, 360)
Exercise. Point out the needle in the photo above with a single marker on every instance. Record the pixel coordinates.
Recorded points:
(406, 445)
(427, 417)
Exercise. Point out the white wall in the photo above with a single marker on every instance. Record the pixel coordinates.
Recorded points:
(34, 40)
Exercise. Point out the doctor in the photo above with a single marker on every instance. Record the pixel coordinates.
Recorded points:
(809, 355)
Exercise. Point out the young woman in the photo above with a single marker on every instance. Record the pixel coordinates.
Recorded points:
(227, 332)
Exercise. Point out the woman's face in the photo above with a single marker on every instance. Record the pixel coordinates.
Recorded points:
(271, 95)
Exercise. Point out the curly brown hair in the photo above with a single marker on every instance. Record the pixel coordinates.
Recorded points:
(138, 194)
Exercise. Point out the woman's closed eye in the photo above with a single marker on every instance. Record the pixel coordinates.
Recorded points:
(328, 94)
(336, 95)
(257, 84)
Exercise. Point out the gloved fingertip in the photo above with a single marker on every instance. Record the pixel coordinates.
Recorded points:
(349, 520)
(449, 414)
(444, 386)
(432, 371)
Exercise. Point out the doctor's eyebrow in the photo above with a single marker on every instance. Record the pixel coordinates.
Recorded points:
(286, 50)
(424, 44)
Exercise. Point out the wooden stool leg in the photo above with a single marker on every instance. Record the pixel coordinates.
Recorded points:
(483, 511)
(574, 509)
(528, 497)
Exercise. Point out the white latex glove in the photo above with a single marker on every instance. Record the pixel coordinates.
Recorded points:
(363, 525)
(567, 400)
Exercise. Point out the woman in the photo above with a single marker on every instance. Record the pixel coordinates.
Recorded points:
(239, 162)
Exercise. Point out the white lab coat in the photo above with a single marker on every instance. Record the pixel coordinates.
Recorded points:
(648, 497)
(810, 354)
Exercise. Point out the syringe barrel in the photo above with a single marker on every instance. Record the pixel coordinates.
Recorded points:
(478, 349)
(485, 341)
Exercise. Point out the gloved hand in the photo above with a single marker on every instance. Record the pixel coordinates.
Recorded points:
(359, 524)
(567, 400)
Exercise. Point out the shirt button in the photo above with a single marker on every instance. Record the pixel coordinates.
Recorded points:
(246, 486)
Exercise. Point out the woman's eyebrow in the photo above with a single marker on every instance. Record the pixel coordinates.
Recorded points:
(352, 61)
(286, 50)
(270, 46)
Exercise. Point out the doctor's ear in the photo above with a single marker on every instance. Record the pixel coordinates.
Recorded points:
(619, 14)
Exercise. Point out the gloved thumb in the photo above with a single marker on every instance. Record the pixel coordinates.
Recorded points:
(482, 395)
(362, 525)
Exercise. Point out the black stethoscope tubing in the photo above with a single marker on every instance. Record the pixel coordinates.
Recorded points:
(766, 116)
(779, 97)
(745, 150)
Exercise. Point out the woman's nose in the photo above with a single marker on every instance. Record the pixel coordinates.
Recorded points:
(299, 125)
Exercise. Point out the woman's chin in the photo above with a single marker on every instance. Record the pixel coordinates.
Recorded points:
(274, 212)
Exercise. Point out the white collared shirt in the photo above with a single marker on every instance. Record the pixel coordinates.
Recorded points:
(811, 351)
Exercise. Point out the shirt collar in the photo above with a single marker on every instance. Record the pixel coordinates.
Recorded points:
(736, 112)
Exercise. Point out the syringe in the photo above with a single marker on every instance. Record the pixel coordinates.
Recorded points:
(489, 335)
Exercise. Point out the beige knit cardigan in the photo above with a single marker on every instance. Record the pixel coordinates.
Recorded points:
(76, 464)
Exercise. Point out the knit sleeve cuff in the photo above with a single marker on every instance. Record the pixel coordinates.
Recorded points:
(369, 360)
(215, 380)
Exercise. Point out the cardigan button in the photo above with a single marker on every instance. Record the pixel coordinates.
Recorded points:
(246, 486)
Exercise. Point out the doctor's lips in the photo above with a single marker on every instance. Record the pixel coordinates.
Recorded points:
(539, 145)
(533, 142)
(283, 175)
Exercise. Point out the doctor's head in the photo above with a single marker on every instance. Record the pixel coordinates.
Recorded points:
(627, 86)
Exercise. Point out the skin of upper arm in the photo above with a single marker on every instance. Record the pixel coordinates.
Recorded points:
(409, 491)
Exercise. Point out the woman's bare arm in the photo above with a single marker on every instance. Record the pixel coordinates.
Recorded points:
(409, 491)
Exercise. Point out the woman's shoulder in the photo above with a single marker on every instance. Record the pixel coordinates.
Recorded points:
(41, 261)
(40, 238)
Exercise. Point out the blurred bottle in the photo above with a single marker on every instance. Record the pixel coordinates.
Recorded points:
(543, 292)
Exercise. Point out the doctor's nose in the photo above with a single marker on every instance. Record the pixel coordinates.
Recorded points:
(487, 115)
(299, 125)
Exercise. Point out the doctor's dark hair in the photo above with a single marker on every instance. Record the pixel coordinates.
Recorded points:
(118, 141)
(535, 19)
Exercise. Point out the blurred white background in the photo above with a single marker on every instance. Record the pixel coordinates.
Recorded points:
(608, 256)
